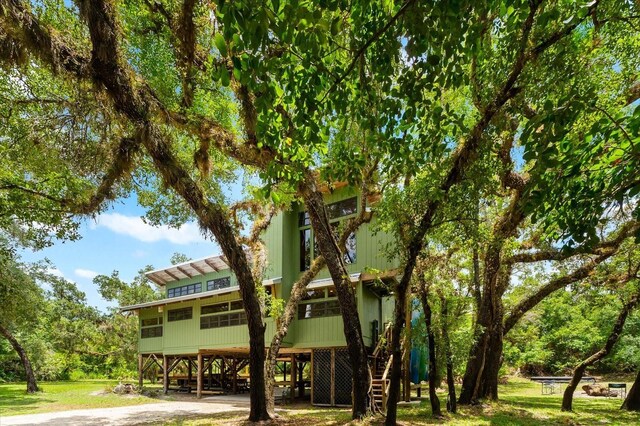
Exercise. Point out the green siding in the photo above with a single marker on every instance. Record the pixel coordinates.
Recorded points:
(319, 332)
(273, 243)
(151, 344)
(282, 242)
(186, 337)
(369, 312)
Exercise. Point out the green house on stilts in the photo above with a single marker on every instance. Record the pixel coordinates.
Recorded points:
(201, 326)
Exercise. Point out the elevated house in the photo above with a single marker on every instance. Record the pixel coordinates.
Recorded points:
(201, 324)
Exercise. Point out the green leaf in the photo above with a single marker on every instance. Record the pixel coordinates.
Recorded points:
(220, 44)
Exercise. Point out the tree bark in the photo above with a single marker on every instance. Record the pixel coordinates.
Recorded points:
(431, 344)
(283, 327)
(567, 398)
(632, 401)
(213, 218)
(295, 296)
(32, 385)
(330, 251)
(451, 389)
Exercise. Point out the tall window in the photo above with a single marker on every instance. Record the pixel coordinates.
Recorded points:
(338, 213)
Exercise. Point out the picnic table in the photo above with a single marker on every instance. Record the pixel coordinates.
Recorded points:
(549, 383)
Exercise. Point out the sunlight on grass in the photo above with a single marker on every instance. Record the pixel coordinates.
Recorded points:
(521, 404)
(61, 396)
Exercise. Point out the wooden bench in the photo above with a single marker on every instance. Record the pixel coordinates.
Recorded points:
(549, 383)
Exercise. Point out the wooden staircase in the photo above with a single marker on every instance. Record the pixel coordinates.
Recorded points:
(380, 362)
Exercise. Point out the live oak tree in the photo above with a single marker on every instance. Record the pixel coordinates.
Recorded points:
(181, 92)
(20, 295)
(156, 76)
(514, 99)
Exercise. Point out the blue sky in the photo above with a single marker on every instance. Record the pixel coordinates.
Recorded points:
(119, 240)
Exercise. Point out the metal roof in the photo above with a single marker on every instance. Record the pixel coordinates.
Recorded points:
(190, 269)
(193, 296)
(328, 282)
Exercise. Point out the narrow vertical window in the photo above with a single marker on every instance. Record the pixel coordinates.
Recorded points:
(305, 249)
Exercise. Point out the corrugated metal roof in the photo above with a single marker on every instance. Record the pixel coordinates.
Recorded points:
(190, 269)
(328, 282)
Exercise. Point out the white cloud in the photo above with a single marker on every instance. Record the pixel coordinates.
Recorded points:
(55, 272)
(85, 273)
(135, 227)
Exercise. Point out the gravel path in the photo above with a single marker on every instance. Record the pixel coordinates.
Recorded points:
(132, 415)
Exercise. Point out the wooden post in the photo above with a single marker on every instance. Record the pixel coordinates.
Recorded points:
(293, 376)
(165, 374)
(140, 367)
(211, 373)
(200, 377)
(234, 379)
(312, 353)
(333, 376)
(189, 374)
(223, 381)
(301, 380)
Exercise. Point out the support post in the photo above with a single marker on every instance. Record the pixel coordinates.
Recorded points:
(200, 377)
(223, 378)
(211, 373)
(300, 380)
(140, 372)
(165, 374)
(189, 374)
(293, 376)
(234, 379)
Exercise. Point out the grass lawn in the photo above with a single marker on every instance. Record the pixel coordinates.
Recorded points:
(520, 404)
(60, 396)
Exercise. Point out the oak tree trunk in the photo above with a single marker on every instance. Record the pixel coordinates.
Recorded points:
(32, 385)
(451, 390)
(567, 398)
(330, 250)
(431, 344)
(214, 219)
(632, 401)
(475, 361)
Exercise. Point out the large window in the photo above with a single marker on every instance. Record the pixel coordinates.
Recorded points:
(151, 327)
(218, 283)
(180, 314)
(225, 320)
(184, 290)
(338, 212)
(321, 303)
(211, 317)
(148, 332)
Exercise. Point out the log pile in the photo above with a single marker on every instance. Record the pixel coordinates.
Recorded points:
(599, 390)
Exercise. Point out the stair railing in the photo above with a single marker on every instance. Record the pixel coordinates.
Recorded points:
(385, 383)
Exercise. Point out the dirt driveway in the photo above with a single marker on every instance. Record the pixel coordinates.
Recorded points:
(132, 415)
